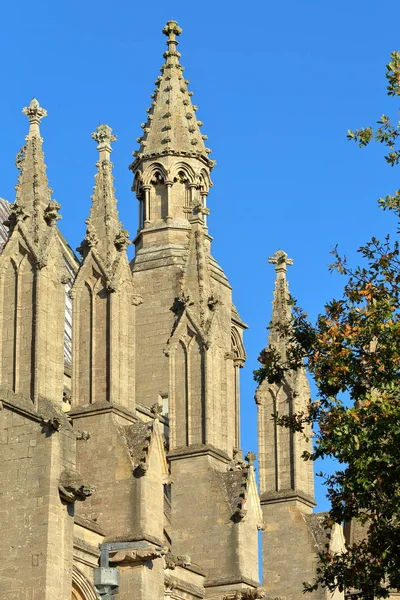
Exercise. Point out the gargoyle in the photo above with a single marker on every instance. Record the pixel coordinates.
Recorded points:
(71, 486)
(134, 555)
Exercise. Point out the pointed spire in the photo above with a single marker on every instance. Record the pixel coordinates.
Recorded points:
(33, 200)
(280, 306)
(172, 126)
(104, 230)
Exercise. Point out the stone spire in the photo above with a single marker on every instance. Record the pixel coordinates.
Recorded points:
(104, 230)
(172, 127)
(33, 200)
(280, 305)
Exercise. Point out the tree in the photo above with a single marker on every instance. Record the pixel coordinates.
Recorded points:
(353, 353)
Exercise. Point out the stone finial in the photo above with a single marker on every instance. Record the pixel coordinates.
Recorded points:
(156, 410)
(281, 261)
(104, 136)
(250, 458)
(35, 114)
(281, 303)
(172, 31)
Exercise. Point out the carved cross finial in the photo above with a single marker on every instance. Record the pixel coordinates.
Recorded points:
(156, 410)
(250, 457)
(104, 136)
(172, 31)
(281, 261)
(35, 114)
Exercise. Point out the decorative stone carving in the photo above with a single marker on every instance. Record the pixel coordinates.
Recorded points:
(51, 212)
(181, 302)
(239, 515)
(34, 112)
(237, 464)
(250, 458)
(103, 136)
(71, 486)
(176, 560)
(82, 435)
(19, 159)
(213, 302)
(137, 300)
(156, 410)
(122, 240)
(54, 423)
(135, 555)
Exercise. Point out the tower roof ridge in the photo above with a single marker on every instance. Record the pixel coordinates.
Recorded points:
(172, 126)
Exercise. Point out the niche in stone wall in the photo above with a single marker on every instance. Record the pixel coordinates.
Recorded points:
(17, 324)
(180, 201)
(93, 348)
(158, 198)
(189, 390)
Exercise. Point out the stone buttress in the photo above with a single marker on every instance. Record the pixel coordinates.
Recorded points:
(37, 457)
(189, 339)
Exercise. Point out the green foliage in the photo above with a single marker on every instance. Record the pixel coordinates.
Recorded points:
(353, 352)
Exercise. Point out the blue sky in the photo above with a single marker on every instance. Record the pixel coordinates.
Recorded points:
(277, 84)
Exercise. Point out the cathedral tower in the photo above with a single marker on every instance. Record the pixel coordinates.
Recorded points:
(189, 336)
(188, 333)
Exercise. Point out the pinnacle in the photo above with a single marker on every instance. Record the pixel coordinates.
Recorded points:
(104, 230)
(172, 126)
(280, 306)
(33, 202)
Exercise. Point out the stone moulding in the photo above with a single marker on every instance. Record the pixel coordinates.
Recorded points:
(286, 496)
(198, 450)
(173, 584)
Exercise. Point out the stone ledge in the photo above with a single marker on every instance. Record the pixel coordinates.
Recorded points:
(45, 411)
(198, 450)
(89, 410)
(83, 546)
(133, 537)
(184, 586)
(88, 524)
(224, 581)
(286, 496)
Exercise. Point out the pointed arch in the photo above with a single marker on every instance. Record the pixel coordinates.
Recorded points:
(187, 357)
(239, 356)
(155, 171)
(196, 390)
(9, 302)
(237, 346)
(91, 315)
(205, 181)
(82, 589)
(184, 171)
(25, 319)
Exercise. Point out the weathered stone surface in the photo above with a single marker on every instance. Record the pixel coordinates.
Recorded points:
(120, 458)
